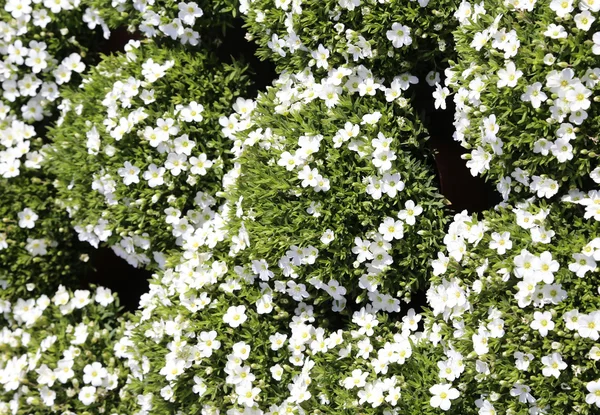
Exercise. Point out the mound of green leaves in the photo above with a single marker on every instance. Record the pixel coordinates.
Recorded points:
(38, 248)
(335, 192)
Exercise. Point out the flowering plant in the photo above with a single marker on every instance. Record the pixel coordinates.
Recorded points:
(191, 23)
(524, 82)
(334, 190)
(516, 294)
(325, 34)
(38, 248)
(55, 354)
(140, 143)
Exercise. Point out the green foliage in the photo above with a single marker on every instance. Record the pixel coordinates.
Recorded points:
(43, 256)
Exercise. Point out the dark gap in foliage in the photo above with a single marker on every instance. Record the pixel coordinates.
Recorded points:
(418, 302)
(456, 182)
(118, 39)
(110, 271)
(236, 46)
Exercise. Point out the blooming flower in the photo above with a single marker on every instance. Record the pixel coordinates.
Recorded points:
(399, 35)
(442, 393)
(235, 316)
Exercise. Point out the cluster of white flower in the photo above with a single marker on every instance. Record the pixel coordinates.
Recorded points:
(176, 22)
(58, 363)
(381, 32)
(303, 158)
(552, 124)
(513, 263)
(31, 74)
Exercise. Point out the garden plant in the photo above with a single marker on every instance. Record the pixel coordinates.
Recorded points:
(284, 175)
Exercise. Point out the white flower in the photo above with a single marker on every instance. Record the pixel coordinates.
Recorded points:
(501, 242)
(509, 76)
(199, 387)
(440, 94)
(264, 304)
(596, 40)
(320, 56)
(440, 265)
(442, 393)
(176, 163)
(87, 395)
(479, 162)
(593, 397)
(154, 175)
(391, 229)
(562, 7)
(48, 396)
(582, 264)
(94, 374)
(522, 360)
(382, 159)
(544, 186)
(327, 237)
(522, 391)
(36, 247)
(129, 173)
(542, 322)
(485, 408)
(589, 326)
(27, 218)
(371, 118)
(276, 372)
(410, 212)
(246, 394)
(173, 29)
(80, 299)
(188, 12)
(200, 164)
(553, 364)
(193, 112)
(277, 341)
(584, 20)
(399, 35)
(104, 296)
(533, 93)
(356, 380)
(555, 31)
(392, 184)
(235, 316)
